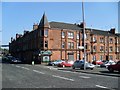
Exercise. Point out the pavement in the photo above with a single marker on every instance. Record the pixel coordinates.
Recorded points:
(97, 70)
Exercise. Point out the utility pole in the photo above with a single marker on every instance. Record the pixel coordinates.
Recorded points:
(84, 51)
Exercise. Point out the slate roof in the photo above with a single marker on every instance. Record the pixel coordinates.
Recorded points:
(100, 32)
(118, 34)
(62, 25)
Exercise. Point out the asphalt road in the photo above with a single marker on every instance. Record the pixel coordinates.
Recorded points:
(39, 76)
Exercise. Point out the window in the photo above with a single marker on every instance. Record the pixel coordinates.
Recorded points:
(106, 49)
(41, 33)
(111, 49)
(86, 46)
(94, 58)
(117, 40)
(46, 33)
(70, 35)
(77, 35)
(63, 34)
(78, 56)
(111, 40)
(63, 44)
(117, 49)
(101, 39)
(101, 57)
(101, 48)
(117, 56)
(77, 45)
(70, 45)
(94, 39)
(41, 43)
(94, 48)
(111, 57)
(46, 44)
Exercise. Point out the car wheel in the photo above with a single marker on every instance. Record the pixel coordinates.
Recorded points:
(53, 64)
(111, 70)
(73, 67)
(91, 68)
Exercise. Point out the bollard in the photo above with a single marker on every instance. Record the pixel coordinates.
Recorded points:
(32, 62)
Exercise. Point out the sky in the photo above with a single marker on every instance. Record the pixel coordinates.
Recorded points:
(20, 16)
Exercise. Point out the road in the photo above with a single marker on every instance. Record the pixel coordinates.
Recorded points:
(39, 76)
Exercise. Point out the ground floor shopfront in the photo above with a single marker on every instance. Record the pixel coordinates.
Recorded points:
(39, 56)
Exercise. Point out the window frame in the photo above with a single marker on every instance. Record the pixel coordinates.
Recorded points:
(63, 34)
(71, 35)
(46, 33)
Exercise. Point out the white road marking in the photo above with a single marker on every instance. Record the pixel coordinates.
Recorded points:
(68, 71)
(63, 78)
(38, 72)
(101, 86)
(17, 66)
(84, 77)
(25, 68)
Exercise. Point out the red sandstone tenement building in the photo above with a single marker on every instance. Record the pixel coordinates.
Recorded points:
(57, 40)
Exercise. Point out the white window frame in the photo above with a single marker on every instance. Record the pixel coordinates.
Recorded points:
(78, 36)
(110, 49)
(46, 33)
(94, 58)
(63, 45)
(70, 35)
(70, 45)
(63, 34)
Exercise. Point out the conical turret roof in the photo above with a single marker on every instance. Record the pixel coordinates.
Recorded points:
(44, 22)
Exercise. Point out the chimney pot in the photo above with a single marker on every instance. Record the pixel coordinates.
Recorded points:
(35, 26)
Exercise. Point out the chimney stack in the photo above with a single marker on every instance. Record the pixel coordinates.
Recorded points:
(26, 32)
(35, 26)
(11, 39)
(17, 35)
(112, 30)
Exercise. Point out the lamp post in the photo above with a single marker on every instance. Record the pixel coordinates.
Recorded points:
(84, 50)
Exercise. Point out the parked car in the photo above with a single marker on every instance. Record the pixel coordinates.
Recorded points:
(99, 62)
(55, 63)
(107, 63)
(80, 64)
(115, 67)
(66, 64)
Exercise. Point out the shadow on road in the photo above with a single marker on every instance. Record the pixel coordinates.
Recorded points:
(115, 72)
(98, 72)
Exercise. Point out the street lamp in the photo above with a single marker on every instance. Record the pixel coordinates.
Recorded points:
(84, 36)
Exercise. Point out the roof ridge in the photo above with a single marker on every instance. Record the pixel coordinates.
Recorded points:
(62, 22)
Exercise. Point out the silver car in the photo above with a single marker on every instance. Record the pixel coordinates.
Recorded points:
(80, 64)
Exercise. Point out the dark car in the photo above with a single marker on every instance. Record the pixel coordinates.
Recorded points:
(115, 67)
(15, 61)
